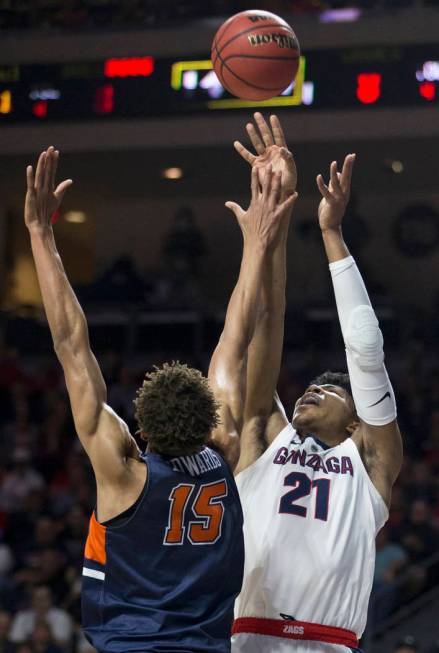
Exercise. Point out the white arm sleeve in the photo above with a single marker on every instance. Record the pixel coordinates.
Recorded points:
(371, 388)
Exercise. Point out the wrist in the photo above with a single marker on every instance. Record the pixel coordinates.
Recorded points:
(332, 232)
(335, 246)
(256, 246)
(40, 231)
(333, 237)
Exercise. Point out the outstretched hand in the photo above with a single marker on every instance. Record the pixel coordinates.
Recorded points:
(42, 197)
(271, 149)
(260, 223)
(336, 195)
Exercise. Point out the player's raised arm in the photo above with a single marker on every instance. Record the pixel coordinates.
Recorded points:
(260, 226)
(104, 436)
(378, 436)
(265, 351)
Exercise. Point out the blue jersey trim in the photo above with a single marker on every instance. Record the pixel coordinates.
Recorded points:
(319, 442)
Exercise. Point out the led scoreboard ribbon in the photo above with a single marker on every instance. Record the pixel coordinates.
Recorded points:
(191, 75)
(142, 86)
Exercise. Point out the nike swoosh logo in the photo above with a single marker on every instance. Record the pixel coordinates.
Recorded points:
(380, 400)
(287, 617)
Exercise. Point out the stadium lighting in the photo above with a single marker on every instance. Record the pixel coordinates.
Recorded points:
(397, 167)
(76, 217)
(172, 173)
(342, 15)
(369, 87)
(129, 67)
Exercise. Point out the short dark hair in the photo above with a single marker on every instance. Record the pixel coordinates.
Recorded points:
(334, 378)
(176, 409)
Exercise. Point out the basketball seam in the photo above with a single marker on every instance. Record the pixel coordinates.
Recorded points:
(252, 29)
(258, 56)
(259, 88)
(220, 71)
(222, 35)
(214, 47)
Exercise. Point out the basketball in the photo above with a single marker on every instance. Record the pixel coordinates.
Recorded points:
(255, 55)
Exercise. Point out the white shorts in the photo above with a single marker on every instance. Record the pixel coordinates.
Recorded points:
(251, 643)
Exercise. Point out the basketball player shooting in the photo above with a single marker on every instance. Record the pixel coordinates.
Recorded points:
(315, 491)
(147, 585)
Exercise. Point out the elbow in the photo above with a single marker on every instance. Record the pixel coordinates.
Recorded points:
(69, 344)
(399, 461)
(65, 349)
(70, 353)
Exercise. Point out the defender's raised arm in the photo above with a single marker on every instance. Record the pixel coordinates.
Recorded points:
(104, 436)
(260, 226)
(265, 350)
(378, 437)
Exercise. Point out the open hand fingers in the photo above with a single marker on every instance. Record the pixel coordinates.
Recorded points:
(55, 167)
(286, 155)
(267, 182)
(48, 172)
(246, 154)
(61, 189)
(335, 181)
(255, 138)
(275, 190)
(39, 175)
(255, 184)
(264, 129)
(288, 203)
(237, 210)
(278, 132)
(346, 173)
(30, 178)
(323, 188)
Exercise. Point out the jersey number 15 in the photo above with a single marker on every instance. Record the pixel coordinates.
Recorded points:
(207, 508)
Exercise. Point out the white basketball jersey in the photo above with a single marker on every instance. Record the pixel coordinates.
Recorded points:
(311, 514)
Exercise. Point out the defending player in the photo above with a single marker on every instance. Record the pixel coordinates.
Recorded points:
(147, 585)
(314, 492)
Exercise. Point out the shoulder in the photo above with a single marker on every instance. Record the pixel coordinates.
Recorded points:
(284, 440)
(380, 449)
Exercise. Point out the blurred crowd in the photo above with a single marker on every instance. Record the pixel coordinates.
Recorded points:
(84, 14)
(177, 284)
(408, 644)
(47, 493)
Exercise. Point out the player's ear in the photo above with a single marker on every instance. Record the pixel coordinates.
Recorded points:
(352, 426)
(142, 435)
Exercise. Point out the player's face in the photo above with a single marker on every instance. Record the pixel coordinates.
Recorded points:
(327, 408)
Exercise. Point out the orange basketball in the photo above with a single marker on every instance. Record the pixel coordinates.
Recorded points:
(255, 55)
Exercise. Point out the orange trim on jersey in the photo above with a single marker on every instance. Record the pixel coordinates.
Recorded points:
(291, 629)
(95, 544)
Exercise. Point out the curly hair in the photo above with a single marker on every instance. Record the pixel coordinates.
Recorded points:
(175, 409)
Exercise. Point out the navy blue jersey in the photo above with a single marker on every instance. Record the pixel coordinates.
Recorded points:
(164, 575)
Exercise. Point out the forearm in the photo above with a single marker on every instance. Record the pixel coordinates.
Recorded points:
(335, 247)
(265, 351)
(227, 371)
(64, 314)
(349, 289)
(244, 303)
(272, 306)
(372, 391)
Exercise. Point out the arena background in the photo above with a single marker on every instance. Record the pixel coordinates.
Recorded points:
(153, 255)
